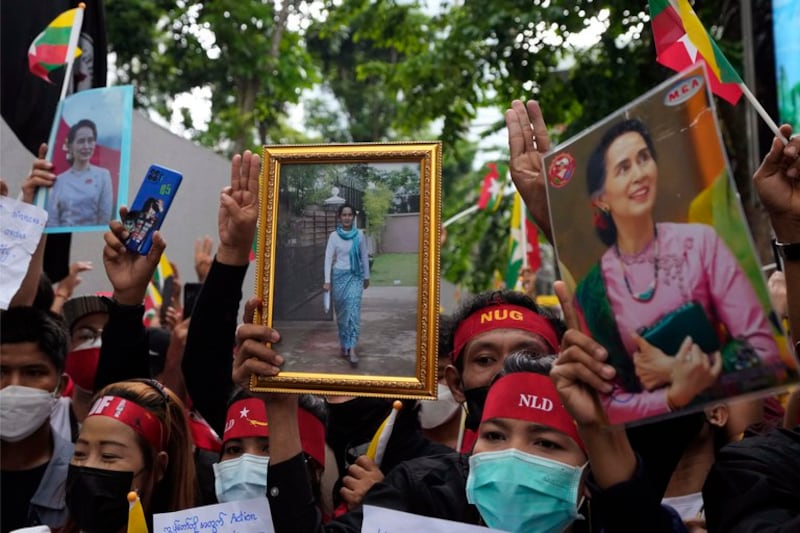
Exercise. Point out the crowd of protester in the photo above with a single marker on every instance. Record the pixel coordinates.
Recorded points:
(94, 404)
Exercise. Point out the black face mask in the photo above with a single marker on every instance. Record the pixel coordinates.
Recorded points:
(97, 499)
(475, 399)
(352, 424)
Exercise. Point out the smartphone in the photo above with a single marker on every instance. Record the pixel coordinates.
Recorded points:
(166, 298)
(150, 207)
(190, 292)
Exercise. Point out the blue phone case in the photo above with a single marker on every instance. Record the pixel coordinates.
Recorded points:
(150, 207)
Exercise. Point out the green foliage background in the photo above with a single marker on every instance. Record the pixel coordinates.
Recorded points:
(385, 70)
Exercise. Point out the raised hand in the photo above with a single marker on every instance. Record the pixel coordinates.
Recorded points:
(253, 357)
(67, 285)
(238, 211)
(129, 272)
(777, 182)
(41, 176)
(653, 367)
(203, 257)
(580, 373)
(361, 476)
(528, 141)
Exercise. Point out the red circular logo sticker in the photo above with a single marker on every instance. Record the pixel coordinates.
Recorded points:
(561, 170)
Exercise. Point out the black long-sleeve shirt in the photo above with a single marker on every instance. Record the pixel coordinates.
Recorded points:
(208, 356)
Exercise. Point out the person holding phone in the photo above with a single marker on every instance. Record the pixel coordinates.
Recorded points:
(82, 195)
(347, 265)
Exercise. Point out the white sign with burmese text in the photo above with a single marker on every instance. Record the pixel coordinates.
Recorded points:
(380, 520)
(248, 516)
(21, 227)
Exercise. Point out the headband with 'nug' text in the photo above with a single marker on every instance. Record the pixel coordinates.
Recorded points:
(503, 316)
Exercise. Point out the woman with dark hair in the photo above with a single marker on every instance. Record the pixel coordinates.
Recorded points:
(656, 273)
(347, 264)
(82, 195)
(135, 438)
(241, 472)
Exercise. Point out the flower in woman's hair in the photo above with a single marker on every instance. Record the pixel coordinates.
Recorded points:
(600, 219)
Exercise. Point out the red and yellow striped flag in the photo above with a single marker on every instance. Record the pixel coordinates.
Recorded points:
(682, 41)
(51, 48)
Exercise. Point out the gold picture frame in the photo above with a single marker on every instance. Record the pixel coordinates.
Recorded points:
(395, 191)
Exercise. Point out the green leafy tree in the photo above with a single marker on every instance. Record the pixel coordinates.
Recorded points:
(377, 200)
(243, 51)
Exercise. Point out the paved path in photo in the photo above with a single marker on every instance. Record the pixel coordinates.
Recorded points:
(386, 347)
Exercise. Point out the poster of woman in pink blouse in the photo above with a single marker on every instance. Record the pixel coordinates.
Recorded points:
(669, 281)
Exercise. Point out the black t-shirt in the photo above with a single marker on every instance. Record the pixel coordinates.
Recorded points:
(17, 488)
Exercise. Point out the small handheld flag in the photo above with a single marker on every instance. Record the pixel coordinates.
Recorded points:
(136, 520)
(57, 45)
(377, 447)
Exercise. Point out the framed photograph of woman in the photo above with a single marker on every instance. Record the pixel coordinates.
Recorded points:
(348, 267)
(89, 147)
(647, 221)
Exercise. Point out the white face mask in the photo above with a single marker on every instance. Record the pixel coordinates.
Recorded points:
(434, 413)
(24, 410)
(243, 478)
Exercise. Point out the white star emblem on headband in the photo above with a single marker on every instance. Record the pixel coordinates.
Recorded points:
(244, 412)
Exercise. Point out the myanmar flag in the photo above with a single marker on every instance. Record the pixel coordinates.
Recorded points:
(520, 254)
(682, 41)
(153, 298)
(491, 189)
(50, 49)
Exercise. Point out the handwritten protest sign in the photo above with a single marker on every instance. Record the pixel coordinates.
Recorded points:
(22, 225)
(248, 516)
(380, 520)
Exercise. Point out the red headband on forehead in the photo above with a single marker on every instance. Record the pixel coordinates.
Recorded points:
(530, 397)
(134, 416)
(248, 418)
(503, 316)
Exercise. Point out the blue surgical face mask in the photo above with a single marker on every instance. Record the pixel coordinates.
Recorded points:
(243, 478)
(516, 491)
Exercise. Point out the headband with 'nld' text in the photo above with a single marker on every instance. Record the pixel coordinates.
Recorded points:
(530, 397)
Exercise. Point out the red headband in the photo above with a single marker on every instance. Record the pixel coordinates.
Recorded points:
(500, 316)
(530, 397)
(132, 415)
(248, 418)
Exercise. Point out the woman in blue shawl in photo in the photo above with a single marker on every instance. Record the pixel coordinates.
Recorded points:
(347, 262)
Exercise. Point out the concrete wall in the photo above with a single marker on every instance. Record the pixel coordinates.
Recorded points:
(193, 213)
(401, 234)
